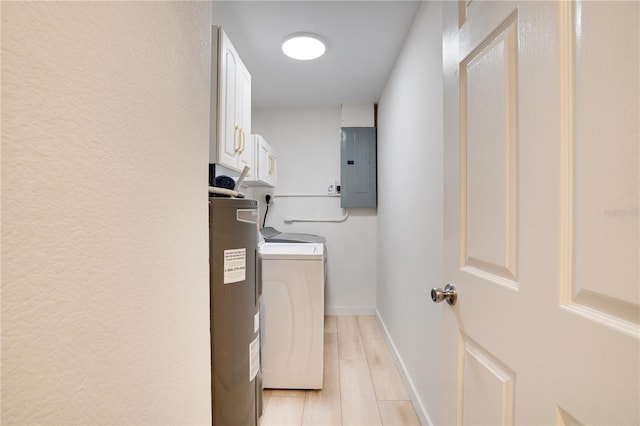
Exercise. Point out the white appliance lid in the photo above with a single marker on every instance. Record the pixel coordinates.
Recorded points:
(307, 251)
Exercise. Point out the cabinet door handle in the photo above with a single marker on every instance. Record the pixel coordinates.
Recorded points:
(237, 148)
(242, 140)
(272, 164)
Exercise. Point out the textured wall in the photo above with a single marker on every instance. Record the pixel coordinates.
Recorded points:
(410, 209)
(104, 214)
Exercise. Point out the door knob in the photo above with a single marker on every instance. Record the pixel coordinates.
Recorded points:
(449, 294)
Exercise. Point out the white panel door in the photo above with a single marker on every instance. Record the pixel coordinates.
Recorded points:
(542, 227)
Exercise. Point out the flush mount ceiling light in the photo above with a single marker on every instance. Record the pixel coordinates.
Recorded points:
(303, 46)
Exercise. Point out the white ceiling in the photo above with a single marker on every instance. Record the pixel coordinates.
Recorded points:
(363, 39)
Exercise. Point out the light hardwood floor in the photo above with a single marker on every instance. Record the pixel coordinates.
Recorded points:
(362, 385)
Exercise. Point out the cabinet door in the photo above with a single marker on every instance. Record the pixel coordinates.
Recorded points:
(243, 108)
(229, 135)
(266, 162)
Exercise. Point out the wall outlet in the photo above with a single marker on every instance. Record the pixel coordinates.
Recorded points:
(332, 188)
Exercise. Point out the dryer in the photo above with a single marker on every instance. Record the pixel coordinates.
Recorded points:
(292, 313)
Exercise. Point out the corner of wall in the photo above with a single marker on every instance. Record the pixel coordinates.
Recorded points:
(421, 410)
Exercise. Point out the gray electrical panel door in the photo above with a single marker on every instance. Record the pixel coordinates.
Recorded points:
(358, 167)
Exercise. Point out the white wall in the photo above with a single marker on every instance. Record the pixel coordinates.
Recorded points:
(105, 124)
(307, 144)
(410, 208)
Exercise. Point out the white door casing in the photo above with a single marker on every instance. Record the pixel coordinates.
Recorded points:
(542, 227)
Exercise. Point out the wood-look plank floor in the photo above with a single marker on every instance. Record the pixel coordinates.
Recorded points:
(362, 385)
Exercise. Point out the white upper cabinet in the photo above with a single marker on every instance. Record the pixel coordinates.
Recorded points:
(231, 144)
(265, 163)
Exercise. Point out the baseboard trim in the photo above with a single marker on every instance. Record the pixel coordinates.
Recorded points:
(421, 411)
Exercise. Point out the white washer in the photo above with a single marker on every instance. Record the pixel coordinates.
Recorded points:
(292, 315)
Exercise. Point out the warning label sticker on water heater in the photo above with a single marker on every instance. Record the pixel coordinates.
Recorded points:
(235, 265)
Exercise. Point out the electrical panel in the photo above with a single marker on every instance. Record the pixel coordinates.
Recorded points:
(358, 167)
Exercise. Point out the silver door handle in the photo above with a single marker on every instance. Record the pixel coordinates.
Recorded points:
(449, 294)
